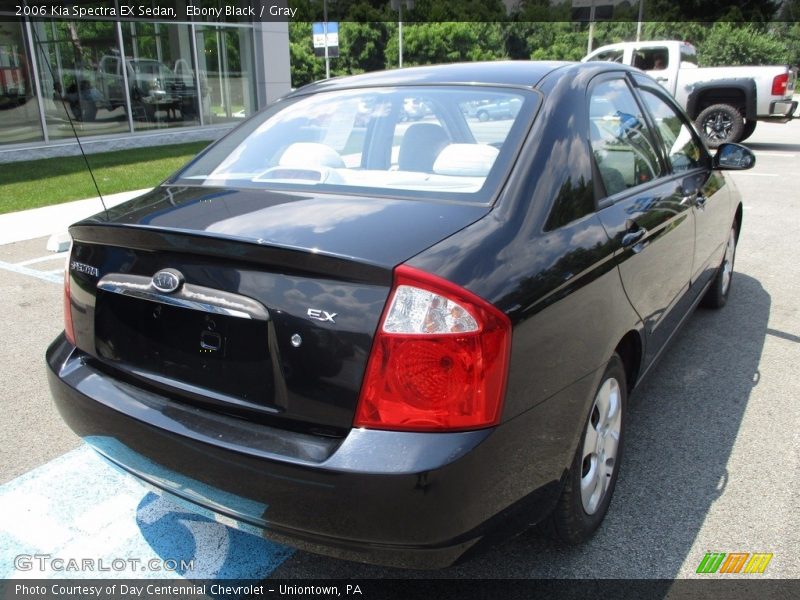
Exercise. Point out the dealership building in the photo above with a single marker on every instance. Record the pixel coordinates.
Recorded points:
(120, 84)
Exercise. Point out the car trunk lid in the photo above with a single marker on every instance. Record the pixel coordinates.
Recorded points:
(276, 304)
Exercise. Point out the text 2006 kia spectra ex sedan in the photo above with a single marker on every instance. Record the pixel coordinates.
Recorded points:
(388, 339)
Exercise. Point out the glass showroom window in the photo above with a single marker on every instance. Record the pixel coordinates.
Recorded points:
(69, 58)
(225, 56)
(19, 108)
(161, 79)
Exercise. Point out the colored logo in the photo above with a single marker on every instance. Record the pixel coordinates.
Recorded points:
(734, 562)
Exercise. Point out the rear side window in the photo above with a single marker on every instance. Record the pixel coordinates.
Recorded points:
(681, 146)
(688, 56)
(621, 141)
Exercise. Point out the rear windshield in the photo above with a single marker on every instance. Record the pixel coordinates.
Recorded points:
(453, 142)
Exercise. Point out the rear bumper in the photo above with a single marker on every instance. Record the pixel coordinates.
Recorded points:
(782, 111)
(396, 498)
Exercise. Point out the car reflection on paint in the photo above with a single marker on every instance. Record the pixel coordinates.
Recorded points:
(401, 341)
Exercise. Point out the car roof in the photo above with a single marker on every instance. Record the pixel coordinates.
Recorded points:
(517, 73)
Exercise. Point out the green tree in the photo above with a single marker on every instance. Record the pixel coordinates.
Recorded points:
(304, 65)
(361, 47)
(432, 43)
(731, 44)
(556, 40)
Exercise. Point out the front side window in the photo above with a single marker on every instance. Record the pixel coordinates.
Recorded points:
(405, 141)
(651, 59)
(681, 146)
(621, 141)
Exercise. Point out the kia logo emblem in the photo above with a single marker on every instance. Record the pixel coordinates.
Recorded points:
(167, 281)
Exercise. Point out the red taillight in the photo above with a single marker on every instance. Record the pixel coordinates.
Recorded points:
(69, 330)
(439, 359)
(779, 84)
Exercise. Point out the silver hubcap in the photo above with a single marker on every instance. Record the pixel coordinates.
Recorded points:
(727, 262)
(600, 445)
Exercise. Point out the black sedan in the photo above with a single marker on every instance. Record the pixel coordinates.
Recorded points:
(395, 341)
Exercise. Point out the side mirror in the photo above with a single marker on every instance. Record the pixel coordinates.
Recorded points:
(734, 157)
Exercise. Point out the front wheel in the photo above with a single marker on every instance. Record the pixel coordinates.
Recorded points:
(720, 123)
(593, 475)
(717, 294)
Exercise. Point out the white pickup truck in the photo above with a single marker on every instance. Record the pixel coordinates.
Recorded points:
(724, 102)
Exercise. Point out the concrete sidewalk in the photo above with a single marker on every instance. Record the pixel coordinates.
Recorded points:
(54, 220)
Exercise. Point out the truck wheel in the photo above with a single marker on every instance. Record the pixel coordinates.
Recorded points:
(720, 123)
(749, 128)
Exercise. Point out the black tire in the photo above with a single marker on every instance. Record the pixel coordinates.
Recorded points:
(717, 294)
(720, 123)
(483, 116)
(749, 128)
(570, 522)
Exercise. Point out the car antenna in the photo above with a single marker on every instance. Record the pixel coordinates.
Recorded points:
(71, 123)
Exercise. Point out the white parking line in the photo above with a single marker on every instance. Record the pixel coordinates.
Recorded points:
(44, 275)
(40, 259)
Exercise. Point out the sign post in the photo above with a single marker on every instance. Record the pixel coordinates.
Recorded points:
(326, 42)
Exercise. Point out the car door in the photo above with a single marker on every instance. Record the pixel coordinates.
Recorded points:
(704, 189)
(640, 208)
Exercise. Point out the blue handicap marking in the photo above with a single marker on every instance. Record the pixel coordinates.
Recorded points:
(183, 536)
(79, 508)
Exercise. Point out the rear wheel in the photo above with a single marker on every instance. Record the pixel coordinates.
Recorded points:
(593, 475)
(720, 123)
(717, 294)
(749, 128)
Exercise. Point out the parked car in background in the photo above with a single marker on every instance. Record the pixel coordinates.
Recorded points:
(724, 102)
(152, 86)
(393, 342)
(505, 109)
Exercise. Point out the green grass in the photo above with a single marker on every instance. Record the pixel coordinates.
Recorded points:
(36, 183)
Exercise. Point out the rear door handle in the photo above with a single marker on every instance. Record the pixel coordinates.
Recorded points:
(633, 237)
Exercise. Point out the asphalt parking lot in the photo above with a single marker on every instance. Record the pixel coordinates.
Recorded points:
(712, 462)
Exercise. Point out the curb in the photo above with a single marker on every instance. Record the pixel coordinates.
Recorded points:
(54, 220)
